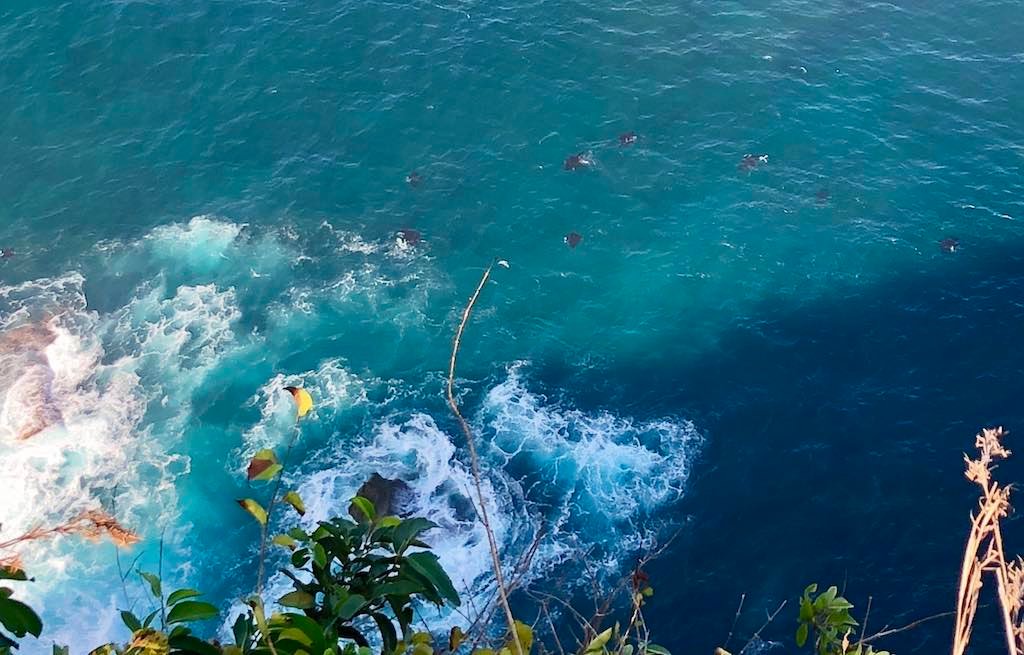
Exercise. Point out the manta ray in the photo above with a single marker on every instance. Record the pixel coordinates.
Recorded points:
(579, 160)
(409, 237)
(750, 162)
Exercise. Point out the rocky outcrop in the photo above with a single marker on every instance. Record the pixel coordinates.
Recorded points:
(388, 496)
(26, 382)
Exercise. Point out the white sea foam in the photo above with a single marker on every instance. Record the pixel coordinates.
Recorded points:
(201, 245)
(616, 467)
(418, 452)
(332, 387)
(101, 382)
(590, 479)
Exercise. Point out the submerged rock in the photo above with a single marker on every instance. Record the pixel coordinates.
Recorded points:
(388, 496)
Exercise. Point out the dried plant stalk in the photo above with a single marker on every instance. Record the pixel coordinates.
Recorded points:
(499, 578)
(984, 552)
(92, 524)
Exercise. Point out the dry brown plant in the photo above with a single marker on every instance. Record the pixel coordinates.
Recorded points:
(492, 543)
(984, 552)
(92, 524)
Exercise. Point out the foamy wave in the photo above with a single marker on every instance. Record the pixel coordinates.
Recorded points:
(184, 333)
(592, 481)
(615, 467)
(200, 245)
(118, 386)
(419, 453)
(332, 386)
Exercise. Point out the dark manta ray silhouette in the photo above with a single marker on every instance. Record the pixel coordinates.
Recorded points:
(573, 239)
(414, 179)
(579, 160)
(949, 244)
(821, 196)
(750, 162)
(627, 138)
(409, 236)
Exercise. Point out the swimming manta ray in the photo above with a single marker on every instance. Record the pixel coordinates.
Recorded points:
(750, 162)
(579, 160)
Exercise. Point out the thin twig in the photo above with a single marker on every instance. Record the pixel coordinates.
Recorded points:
(892, 631)
(475, 464)
(265, 528)
(757, 635)
(520, 571)
(734, 620)
(160, 577)
(554, 632)
(864, 627)
(117, 554)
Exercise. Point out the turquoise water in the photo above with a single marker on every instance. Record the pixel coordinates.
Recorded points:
(204, 198)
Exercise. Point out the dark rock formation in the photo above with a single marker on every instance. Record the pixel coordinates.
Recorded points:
(387, 496)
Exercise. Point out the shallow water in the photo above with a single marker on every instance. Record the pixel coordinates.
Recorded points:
(781, 361)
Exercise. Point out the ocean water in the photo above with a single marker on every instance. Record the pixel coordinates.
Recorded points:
(780, 366)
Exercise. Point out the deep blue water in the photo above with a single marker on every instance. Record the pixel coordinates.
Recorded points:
(204, 198)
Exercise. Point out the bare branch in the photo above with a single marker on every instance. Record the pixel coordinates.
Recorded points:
(475, 463)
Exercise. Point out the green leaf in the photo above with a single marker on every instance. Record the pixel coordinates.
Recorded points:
(105, 649)
(263, 466)
(154, 583)
(455, 638)
(319, 556)
(300, 558)
(241, 630)
(351, 606)
(305, 630)
(387, 632)
(597, 644)
(408, 531)
(19, 618)
(182, 594)
(389, 522)
(284, 541)
(426, 564)
(191, 610)
(421, 638)
(298, 599)
(366, 508)
(185, 643)
(801, 635)
(6, 644)
(806, 609)
(400, 588)
(254, 508)
(130, 621)
(822, 601)
(657, 650)
(149, 618)
(293, 499)
(11, 573)
(525, 634)
(422, 649)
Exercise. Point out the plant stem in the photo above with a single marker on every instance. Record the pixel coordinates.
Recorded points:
(265, 529)
(475, 464)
